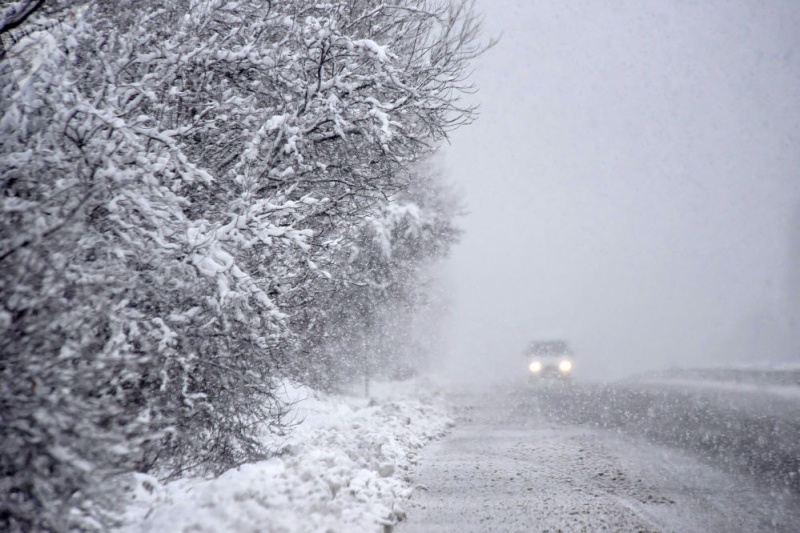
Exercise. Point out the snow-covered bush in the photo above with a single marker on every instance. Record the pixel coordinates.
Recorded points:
(380, 280)
(192, 194)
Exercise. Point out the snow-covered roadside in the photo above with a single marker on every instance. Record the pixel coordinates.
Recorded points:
(344, 468)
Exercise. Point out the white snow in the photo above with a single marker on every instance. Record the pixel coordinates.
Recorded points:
(380, 52)
(344, 468)
(785, 391)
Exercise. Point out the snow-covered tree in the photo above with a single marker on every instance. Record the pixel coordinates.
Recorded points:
(379, 280)
(193, 192)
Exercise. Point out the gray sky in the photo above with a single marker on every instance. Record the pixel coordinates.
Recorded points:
(630, 184)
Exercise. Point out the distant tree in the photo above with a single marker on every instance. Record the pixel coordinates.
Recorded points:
(379, 282)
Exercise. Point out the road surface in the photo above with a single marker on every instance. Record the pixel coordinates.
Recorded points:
(679, 455)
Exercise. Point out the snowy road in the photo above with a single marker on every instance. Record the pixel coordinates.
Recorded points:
(589, 458)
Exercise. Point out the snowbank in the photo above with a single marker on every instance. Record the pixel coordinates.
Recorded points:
(344, 468)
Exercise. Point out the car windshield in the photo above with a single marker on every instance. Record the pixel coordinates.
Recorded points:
(548, 348)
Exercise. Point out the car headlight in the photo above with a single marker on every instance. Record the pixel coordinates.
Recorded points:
(565, 365)
(535, 366)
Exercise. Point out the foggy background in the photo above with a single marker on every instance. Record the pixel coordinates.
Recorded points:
(631, 186)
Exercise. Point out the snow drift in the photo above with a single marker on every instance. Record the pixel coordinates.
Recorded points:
(344, 468)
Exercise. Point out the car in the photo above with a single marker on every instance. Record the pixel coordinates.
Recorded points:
(549, 359)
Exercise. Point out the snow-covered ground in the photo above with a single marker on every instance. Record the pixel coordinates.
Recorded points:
(510, 466)
(344, 468)
(787, 391)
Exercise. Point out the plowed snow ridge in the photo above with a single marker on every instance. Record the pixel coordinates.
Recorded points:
(343, 469)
